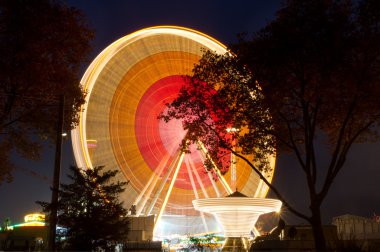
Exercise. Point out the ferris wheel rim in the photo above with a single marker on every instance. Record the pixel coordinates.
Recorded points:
(89, 80)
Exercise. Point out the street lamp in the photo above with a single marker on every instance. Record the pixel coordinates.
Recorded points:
(53, 219)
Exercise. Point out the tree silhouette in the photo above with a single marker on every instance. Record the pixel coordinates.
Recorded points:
(311, 73)
(42, 45)
(90, 209)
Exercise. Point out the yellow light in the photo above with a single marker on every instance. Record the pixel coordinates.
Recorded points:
(34, 217)
(96, 145)
(216, 170)
(232, 130)
(78, 135)
(32, 224)
(169, 190)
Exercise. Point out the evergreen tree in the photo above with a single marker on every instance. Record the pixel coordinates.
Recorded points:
(90, 210)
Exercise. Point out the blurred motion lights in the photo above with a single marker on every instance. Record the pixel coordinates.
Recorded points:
(128, 85)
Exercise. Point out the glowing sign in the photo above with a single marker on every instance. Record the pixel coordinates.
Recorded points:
(34, 217)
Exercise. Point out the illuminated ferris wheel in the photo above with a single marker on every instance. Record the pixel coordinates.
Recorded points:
(128, 85)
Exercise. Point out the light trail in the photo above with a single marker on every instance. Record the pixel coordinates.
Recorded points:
(216, 170)
(169, 191)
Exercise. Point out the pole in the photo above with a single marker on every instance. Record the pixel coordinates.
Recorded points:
(57, 170)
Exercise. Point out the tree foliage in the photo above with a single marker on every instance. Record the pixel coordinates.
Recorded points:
(211, 106)
(312, 73)
(42, 46)
(90, 209)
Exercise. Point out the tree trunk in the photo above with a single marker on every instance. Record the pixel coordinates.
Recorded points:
(316, 224)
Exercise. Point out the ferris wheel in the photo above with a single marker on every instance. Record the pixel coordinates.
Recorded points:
(128, 85)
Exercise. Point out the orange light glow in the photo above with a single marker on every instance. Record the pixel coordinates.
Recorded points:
(34, 217)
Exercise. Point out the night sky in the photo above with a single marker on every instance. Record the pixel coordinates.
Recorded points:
(355, 191)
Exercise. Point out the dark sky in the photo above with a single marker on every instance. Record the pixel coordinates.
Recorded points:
(356, 189)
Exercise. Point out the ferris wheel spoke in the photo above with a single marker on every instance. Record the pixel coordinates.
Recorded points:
(188, 165)
(191, 179)
(226, 186)
(216, 189)
(199, 180)
(163, 182)
(181, 155)
(151, 184)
